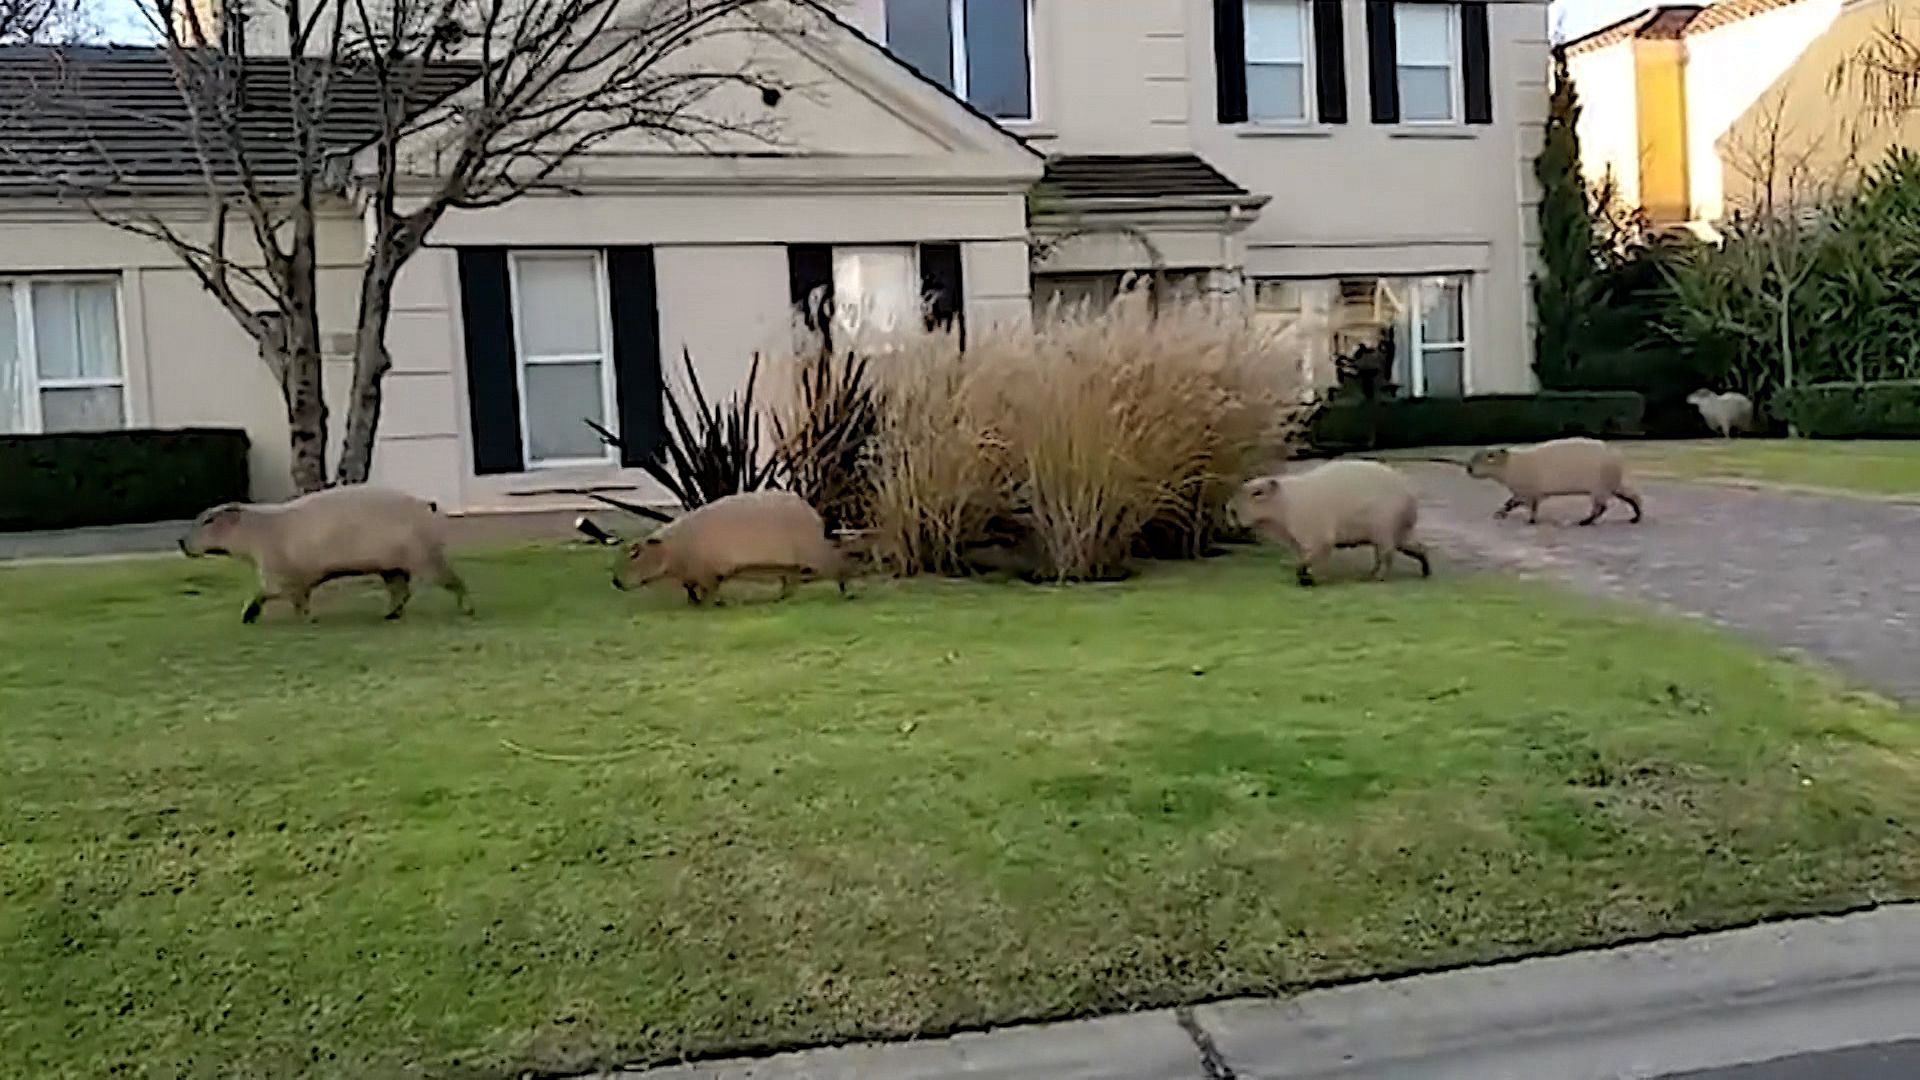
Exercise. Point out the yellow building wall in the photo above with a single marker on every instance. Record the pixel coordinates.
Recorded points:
(1659, 73)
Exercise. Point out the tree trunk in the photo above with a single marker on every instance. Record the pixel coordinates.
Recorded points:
(291, 350)
(371, 361)
(300, 385)
(1786, 351)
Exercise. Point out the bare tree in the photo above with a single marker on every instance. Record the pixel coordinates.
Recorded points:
(1792, 179)
(36, 21)
(398, 112)
(1883, 71)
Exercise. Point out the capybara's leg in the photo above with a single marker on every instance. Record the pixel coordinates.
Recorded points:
(1382, 560)
(702, 590)
(1533, 511)
(443, 573)
(1512, 504)
(786, 586)
(1631, 498)
(1599, 508)
(1309, 559)
(266, 590)
(399, 589)
(297, 595)
(1417, 551)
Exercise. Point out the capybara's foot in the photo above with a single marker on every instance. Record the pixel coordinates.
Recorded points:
(251, 613)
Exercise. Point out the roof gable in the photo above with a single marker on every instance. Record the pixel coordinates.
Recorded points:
(852, 111)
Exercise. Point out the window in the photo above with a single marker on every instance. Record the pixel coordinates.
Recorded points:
(1279, 33)
(1426, 60)
(876, 289)
(1301, 310)
(1439, 352)
(562, 338)
(60, 367)
(979, 49)
(1423, 320)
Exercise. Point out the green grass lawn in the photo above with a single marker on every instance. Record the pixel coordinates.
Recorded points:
(591, 828)
(1873, 467)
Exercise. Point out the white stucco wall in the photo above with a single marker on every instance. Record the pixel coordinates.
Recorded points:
(1609, 123)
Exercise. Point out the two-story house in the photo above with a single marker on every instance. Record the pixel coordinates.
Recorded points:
(1364, 162)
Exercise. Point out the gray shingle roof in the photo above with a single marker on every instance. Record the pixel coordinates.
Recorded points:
(116, 119)
(1134, 176)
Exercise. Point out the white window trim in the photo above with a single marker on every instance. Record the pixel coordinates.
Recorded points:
(1456, 74)
(609, 407)
(1417, 354)
(27, 342)
(957, 34)
(1309, 84)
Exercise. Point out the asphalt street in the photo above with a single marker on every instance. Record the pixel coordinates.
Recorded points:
(1884, 1061)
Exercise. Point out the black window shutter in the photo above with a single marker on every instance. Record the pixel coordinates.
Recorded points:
(1383, 75)
(1230, 59)
(942, 284)
(810, 268)
(1330, 60)
(1476, 62)
(638, 387)
(493, 381)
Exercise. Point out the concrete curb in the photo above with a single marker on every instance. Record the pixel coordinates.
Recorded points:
(1646, 1010)
(1640, 1010)
(1138, 1046)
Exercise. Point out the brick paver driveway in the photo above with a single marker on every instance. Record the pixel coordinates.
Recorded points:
(1834, 577)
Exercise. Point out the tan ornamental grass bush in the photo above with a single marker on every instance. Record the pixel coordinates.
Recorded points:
(1073, 438)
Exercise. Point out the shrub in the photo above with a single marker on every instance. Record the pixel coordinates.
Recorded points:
(716, 455)
(118, 477)
(824, 434)
(1663, 376)
(1850, 273)
(1882, 410)
(1071, 439)
(1493, 418)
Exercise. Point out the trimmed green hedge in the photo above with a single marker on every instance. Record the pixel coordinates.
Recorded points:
(118, 477)
(1399, 423)
(1874, 410)
(1662, 376)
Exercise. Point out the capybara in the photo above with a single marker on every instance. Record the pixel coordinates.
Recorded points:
(346, 531)
(1571, 466)
(1341, 504)
(751, 532)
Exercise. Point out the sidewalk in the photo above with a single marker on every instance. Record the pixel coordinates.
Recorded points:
(1831, 988)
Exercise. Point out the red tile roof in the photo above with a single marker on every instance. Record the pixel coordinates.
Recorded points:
(1673, 22)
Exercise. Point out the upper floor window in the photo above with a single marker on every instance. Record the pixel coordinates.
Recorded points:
(1427, 62)
(60, 365)
(979, 49)
(1279, 37)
